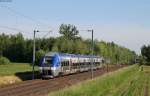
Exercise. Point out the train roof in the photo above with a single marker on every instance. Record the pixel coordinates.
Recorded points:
(70, 55)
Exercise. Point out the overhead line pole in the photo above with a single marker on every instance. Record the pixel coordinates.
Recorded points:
(92, 52)
(34, 47)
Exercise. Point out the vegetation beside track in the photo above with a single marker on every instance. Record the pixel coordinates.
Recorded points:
(17, 48)
(15, 72)
(13, 68)
(129, 81)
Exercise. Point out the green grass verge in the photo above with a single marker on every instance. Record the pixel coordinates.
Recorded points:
(12, 69)
(146, 69)
(129, 81)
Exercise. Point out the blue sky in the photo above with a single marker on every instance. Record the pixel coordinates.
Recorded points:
(126, 22)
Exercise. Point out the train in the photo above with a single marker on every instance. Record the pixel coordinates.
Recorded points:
(54, 64)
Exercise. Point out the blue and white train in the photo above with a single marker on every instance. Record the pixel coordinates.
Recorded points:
(54, 64)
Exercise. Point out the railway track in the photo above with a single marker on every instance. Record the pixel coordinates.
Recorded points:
(43, 87)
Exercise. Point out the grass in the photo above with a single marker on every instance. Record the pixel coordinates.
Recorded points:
(12, 69)
(146, 69)
(15, 72)
(129, 81)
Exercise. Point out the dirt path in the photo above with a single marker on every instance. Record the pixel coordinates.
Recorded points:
(43, 87)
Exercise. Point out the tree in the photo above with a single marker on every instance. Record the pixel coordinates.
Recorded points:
(4, 60)
(80, 47)
(39, 54)
(4, 43)
(18, 49)
(68, 31)
(15, 50)
(145, 51)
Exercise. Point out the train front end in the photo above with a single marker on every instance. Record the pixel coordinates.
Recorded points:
(50, 65)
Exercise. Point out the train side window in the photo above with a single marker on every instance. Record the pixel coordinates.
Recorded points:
(63, 63)
(67, 63)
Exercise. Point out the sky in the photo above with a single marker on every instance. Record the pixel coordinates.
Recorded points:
(125, 22)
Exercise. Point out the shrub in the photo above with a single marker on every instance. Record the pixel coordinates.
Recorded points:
(39, 54)
(4, 60)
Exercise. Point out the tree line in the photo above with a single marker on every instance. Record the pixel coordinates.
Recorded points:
(18, 49)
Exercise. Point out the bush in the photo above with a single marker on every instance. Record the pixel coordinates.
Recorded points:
(4, 60)
(39, 54)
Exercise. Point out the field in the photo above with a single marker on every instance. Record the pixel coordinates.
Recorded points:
(129, 81)
(14, 68)
(15, 72)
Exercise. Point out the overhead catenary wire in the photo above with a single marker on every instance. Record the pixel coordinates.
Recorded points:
(46, 34)
(37, 23)
(14, 29)
(11, 28)
(24, 16)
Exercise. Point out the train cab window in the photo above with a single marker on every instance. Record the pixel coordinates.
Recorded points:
(48, 61)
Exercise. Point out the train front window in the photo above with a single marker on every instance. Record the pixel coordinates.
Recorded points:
(48, 61)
